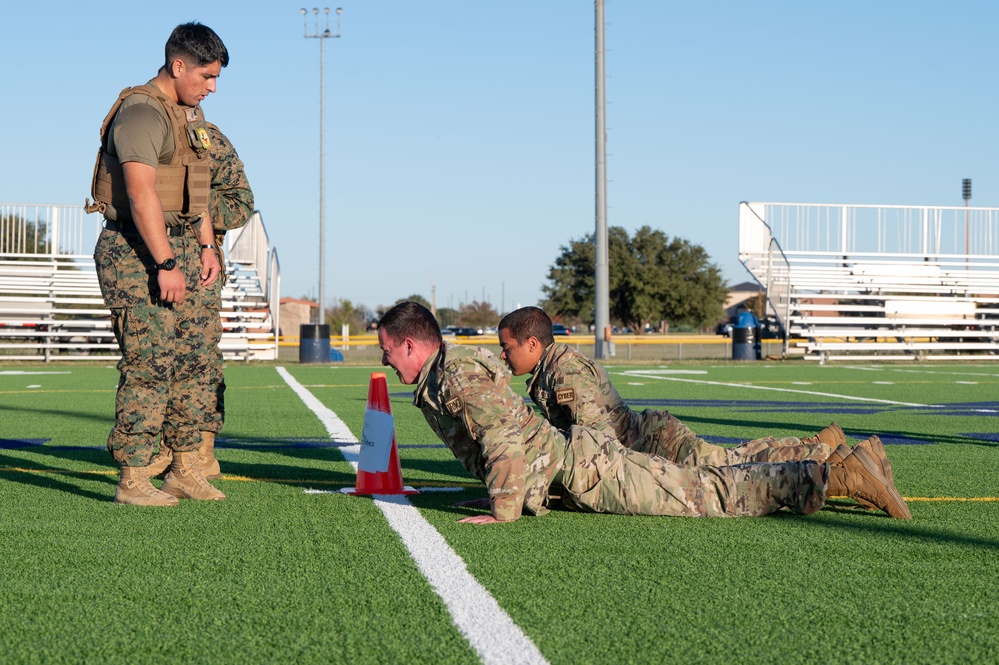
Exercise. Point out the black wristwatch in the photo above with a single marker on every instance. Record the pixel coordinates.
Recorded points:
(169, 264)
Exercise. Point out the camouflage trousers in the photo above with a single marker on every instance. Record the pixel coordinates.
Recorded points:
(211, 401)
(163, 366)
(166, 361)
(600, 475)
(665, 436)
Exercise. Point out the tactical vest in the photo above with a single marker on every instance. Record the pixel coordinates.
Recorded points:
(183, 185)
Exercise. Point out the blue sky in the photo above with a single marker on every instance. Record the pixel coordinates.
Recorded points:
(460, 133)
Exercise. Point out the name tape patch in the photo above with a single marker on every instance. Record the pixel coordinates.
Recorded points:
(453, 405)
(565, 395)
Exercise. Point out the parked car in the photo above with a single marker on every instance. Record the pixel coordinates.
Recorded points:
(559, 329)
(467, 332)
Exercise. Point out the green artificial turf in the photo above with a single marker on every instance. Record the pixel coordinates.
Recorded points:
(278, 574)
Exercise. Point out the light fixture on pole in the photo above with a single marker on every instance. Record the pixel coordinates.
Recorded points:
(322, 37)
(966, 193)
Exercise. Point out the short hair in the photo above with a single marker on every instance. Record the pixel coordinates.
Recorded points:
(528, 322)
(195, 44)
(411, 319)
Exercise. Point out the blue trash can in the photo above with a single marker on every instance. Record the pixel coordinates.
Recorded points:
(746, 338)
(313, 343)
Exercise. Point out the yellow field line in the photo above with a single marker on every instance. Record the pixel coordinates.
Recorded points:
(235, 478)
(248, 479)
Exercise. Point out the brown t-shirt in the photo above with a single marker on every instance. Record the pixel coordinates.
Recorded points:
(141, 132)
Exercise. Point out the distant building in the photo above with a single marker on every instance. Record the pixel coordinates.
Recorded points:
(295, 312)
(738, 297)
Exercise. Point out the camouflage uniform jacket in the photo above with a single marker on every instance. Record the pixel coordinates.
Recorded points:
(231, 197)
(230, 202)
(572, 389)
(465, 395)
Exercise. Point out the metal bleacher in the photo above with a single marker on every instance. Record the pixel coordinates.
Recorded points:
(51, 306)
(879, 282)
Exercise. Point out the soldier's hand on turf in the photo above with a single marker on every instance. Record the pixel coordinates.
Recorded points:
(480, 519)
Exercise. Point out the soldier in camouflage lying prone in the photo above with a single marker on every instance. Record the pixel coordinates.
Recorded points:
(466, 398)
(570, 388)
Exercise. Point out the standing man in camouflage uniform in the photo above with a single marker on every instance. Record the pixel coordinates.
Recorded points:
(155, 254)
(231, 207)
(466, 398)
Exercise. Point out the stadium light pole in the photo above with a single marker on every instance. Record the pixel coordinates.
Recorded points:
(601, 300)
(322, 37)
(966, 193)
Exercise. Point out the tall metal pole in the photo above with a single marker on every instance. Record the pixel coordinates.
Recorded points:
(966, 193)
(601, 313)
(322, 37)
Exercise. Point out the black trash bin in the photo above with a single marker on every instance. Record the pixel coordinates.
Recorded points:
(746, 336)
(744, 343)
(313, 343)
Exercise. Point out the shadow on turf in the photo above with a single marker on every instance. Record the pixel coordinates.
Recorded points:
(909, 529)
(44, 476)
(64, 414)
(53, 476)
(320, 450)
(854, 435)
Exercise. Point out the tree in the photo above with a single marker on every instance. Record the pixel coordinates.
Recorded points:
(447, 316)
(344, 312)
(23, 236)
(478, 315)
(652, 277)
(415, 298)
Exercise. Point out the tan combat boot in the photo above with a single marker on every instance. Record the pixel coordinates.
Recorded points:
(874, 446)
(841, 453)
(832, 436)
(186, 481)
(860, 477)
(206, 456)
(160, 461)
(136, 490)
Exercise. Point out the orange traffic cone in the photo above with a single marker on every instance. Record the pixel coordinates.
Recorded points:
(378, 468)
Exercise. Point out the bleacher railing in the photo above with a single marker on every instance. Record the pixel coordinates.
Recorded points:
(915, 280)
(765, 258)
(64, 235)
(951, 234)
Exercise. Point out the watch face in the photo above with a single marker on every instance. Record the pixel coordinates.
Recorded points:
(169, 264)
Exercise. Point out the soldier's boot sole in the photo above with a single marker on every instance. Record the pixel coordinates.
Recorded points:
(206, 457)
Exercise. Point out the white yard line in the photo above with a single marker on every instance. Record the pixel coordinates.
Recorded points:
(489, 630)
(883, 368)
(17, 372)
(747, 386)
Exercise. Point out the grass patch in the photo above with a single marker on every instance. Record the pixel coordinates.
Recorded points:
(274, 574)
